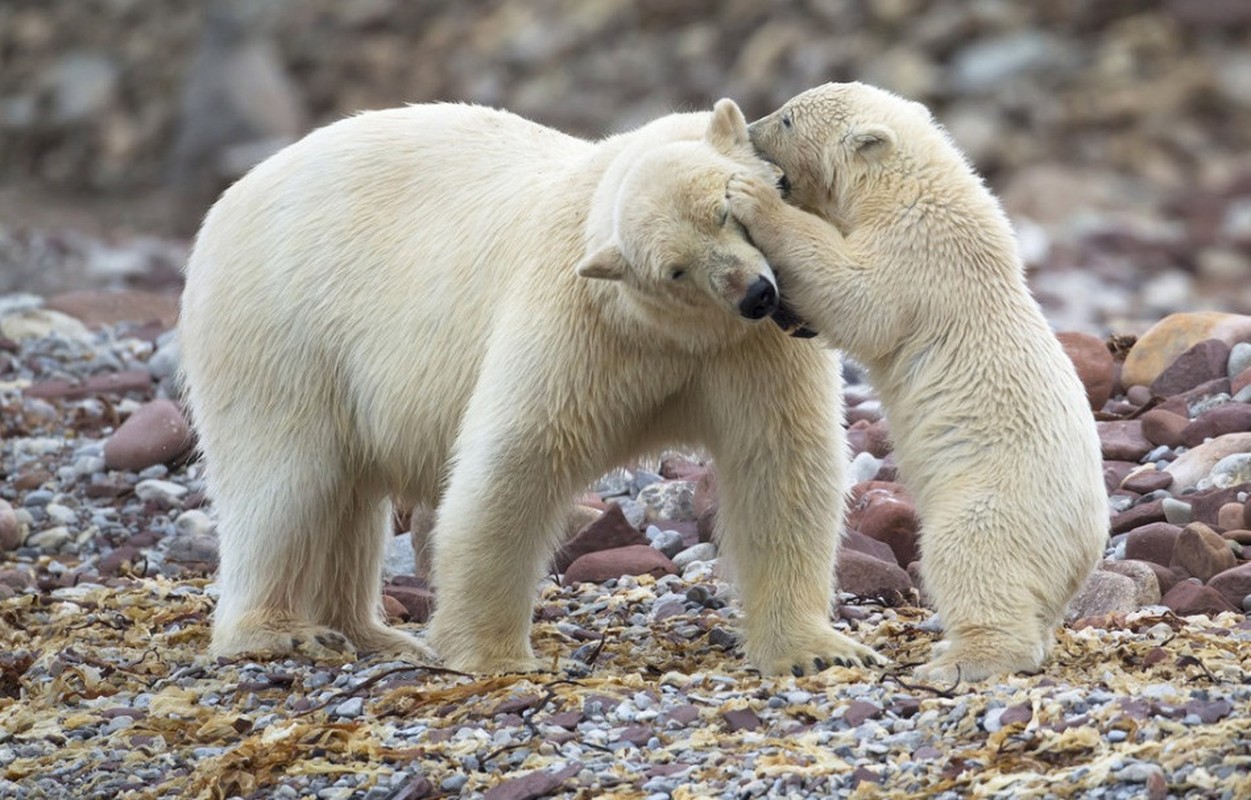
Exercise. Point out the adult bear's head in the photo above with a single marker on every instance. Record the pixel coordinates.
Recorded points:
(675, 245)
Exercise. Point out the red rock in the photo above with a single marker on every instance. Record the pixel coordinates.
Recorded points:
(1206, 506)
(863, 414)
(1153, 542)
(1094, 365)
(871, 547)
(1240, 535)
(1012, 715)
(1122, 440)
(610, 530)
(1139, 395)
(1147, 480)
(602, 565)
(888, 517)
(157, 433)
(869, 437)
(1142, 573)
(1228, 418)
(860, 710)
(1229, 515)
(1162, 427)
(540, 783)
(1201, 552)
(96, 308)
(418, 603)
(743, 719)
(1203, 362)
(10, 529)
(1233, 584)
(1138, 516)
(393, 608)
(1240, 381)
(675, 467)
(1188, 597)
(1166, 577)
(867, 576)
(706, 525)
(1204, 391)
(706, 495)
(1114, 473)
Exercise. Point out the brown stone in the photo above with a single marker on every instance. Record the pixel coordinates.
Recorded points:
(1228, 418)
(1162, 427)
(869, 437)
(1153, 542)
(1147, 480)
(133, 380)
(1206, 506)
(157, 433)
(417, 602)
(1229, 515)
(11, 535)
(889, 516)
(1122, 440)
(1165, 576)
(869, 546)
(1201, 552)
(610, 530)
(1188, 597)
(706, 494)
(1137, 516)
(1233, 584)
(1240, 381)
(1093, 362)
(1115, 472)
(602, 565)
(97, 308)
(393, 608)
(867, 576)
(1205, 361)
(1240, 535)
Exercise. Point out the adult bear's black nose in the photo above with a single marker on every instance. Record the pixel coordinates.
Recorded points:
(760, 301)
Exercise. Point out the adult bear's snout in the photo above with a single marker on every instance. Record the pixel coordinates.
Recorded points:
(760, 301)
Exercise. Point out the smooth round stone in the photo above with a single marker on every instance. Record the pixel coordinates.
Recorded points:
(1177, 512)
(704, 551)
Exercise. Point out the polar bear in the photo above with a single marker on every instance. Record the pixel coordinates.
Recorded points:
(448, 304)
(900, 255)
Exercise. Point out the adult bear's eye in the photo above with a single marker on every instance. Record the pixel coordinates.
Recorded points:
(786, 121)
(677, 273)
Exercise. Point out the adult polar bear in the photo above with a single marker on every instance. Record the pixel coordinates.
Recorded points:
(908, 263)
(390, 307)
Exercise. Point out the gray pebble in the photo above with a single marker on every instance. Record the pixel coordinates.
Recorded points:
(1177, 512)
(454, 783)
(864, 467)
(160, 491)
(38, 497)
(704, 551)
(668, 542)
(1239, 359)
(352, 707)
(634, 511)
(614, 484)
(51, 540)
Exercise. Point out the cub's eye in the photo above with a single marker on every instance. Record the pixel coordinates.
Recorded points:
(786, 121)
(677, 273)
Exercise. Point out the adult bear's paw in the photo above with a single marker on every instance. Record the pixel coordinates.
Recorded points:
(817, 652)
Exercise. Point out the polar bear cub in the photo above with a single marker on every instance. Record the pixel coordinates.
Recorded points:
(451, 305)
(907, 262)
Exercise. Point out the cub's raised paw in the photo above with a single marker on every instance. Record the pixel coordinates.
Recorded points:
(750, 198)
(819, 653)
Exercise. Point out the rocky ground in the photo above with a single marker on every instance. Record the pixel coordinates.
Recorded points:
(107, 555)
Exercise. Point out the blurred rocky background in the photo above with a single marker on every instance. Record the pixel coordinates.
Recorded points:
(1117, 133)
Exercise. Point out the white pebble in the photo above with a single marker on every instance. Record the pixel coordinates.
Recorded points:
(160, 491)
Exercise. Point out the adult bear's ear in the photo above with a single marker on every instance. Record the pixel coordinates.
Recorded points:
(605, 264)
(870, 142)
(728, 128)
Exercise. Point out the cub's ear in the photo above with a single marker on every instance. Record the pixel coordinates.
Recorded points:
(728, 129)
(605, 264)
(870, 142)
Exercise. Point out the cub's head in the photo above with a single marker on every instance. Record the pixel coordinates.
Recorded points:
(833, 141)
(675, 245)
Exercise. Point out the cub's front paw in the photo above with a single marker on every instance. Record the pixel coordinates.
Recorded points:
(817, 653)
(751, 199)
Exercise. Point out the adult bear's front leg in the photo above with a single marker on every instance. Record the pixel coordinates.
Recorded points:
(779, 451)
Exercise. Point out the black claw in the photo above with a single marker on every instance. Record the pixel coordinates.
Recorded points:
(797, 671)
(843, 662)
(820, 664)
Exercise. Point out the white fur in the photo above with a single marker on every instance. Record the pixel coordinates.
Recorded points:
(908, 263)
(392, 307)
